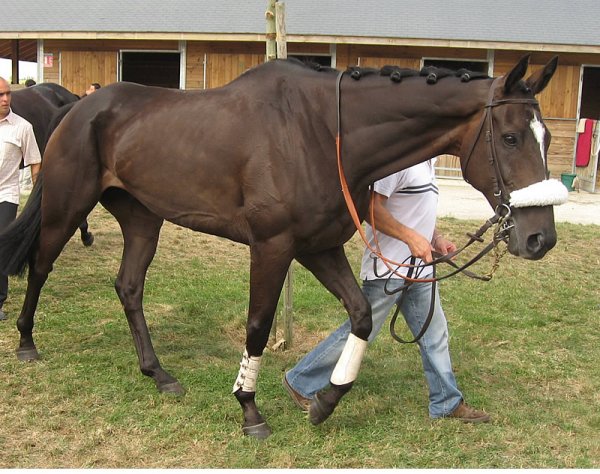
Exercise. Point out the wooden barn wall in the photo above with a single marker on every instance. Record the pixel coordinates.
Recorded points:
(77, 63)
(227, 60)
(81, 68)
(558, 102)
(404, 56)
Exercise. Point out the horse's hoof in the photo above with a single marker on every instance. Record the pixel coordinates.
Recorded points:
(28, 354)
(173, 388)
(260, 431)
(318, 411)
(87, 239)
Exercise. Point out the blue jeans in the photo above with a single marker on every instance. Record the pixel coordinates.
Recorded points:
(313, 372)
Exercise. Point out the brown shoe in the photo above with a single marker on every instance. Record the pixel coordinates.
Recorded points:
(468, 414)
(301, 402)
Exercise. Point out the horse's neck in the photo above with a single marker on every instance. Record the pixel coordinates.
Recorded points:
(385, 133)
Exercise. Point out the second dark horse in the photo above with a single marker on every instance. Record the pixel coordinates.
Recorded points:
(44, 106)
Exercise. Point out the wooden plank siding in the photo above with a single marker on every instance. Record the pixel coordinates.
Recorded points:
(79, 62)
(559, 99)
(224, 68)
(80, 68)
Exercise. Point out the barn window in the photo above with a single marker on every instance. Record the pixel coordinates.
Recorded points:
(456, 64)
(323, 60)
(151, 68)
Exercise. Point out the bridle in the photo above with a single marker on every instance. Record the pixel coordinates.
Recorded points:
(487, 120)
(501, 216)
(502, 212)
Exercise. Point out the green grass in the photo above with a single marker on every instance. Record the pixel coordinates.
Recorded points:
(524, 346)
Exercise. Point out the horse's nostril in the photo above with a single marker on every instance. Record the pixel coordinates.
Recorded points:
(535, 243)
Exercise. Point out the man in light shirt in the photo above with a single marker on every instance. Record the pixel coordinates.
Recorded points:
(405, 213)
(17, 142)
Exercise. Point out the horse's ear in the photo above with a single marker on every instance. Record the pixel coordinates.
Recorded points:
(538, 81)
(517, 73)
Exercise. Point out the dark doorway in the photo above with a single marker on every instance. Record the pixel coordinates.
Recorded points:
(151, 68)
(590, 93)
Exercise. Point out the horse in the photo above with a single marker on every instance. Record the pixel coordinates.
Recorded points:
(255, 162)
(44, 105)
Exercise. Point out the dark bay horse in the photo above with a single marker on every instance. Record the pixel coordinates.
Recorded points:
(43, 106)
(255, 162)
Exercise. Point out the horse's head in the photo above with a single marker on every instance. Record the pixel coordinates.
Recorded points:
(506, 156)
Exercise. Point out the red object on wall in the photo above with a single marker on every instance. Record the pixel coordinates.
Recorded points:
(584, 144)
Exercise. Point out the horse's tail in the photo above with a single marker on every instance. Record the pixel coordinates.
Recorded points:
(17, 241)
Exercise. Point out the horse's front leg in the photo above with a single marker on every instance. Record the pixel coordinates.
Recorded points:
(334, 272)
(269, 264)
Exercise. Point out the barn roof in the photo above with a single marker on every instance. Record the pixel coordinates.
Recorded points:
(543, 22)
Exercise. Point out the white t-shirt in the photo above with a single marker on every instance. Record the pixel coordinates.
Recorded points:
(412, 200)
(16, 141)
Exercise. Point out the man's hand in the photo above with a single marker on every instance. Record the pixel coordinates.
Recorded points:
(442, 245)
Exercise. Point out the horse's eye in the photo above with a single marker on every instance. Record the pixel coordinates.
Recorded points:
(510, 140)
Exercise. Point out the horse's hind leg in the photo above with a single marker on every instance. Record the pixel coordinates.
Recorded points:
(334, 272)
(86, 236)
(141, 230)
(54, 235)
(267, 273)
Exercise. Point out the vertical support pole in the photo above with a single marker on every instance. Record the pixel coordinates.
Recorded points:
(40, 60)
(276, 39)
(15, 61)
(288, 311)
(288, 314)
(271, 54)
(271, 32)
(281, 35)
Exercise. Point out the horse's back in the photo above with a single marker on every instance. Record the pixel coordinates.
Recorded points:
(221, 161)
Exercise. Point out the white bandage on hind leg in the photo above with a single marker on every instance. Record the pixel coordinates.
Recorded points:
(348, 364)
(549, 192)
(246, 379)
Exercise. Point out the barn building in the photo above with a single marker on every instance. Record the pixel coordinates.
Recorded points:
(196, 44)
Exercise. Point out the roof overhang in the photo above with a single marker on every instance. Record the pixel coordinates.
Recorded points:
(294, 38)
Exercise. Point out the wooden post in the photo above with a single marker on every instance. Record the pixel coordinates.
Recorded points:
(277, 48)
(15, 61)
(280, 29)
(271, 33)
(271, 53)
(287, 313)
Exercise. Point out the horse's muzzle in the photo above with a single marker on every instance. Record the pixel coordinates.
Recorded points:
(533, 233)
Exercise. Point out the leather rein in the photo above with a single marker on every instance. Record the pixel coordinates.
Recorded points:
(501, 217)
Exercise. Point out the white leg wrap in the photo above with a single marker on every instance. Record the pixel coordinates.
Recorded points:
(348, 365)
(246, 379)
(549, 192)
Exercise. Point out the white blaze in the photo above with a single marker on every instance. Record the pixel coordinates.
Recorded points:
(539, 132)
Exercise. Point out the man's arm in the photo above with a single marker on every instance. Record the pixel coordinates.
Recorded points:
(35, 169)
(386, 223)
